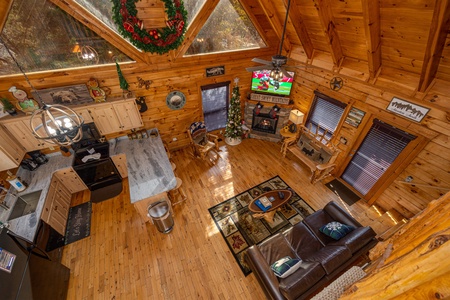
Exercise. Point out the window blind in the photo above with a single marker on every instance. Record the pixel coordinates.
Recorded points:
(378, 151)
(215, 105)
(325, 114)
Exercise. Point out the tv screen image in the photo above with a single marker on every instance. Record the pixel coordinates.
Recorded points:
(263, 83)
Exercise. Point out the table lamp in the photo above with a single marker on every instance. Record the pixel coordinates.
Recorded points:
(296, 117)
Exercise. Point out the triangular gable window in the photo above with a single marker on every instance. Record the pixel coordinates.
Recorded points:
(43, 37)
(153, 15)
(228, 28)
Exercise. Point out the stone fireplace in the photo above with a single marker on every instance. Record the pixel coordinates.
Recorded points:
(262, 125)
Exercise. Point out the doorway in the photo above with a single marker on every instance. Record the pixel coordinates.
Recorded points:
(377, 152)
(215, 105)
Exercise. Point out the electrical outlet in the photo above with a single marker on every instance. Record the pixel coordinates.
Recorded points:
(174, 139)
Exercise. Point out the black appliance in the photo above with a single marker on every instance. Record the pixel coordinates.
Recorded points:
(94, 166)
(38, 157)
(90, 137)
(33, 275)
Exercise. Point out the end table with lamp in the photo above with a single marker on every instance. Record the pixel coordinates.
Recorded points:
(292, 130)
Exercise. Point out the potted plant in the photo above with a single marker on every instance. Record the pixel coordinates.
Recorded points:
(8, 106)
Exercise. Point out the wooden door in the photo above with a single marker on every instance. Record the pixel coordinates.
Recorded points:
(56, 207)
(105, 118)
(21, 131)
(11, 153)
(128, 114)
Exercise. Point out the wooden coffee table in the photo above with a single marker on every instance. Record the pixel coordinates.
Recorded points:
(276, 204)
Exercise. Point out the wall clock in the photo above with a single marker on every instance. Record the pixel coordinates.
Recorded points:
(175, 100)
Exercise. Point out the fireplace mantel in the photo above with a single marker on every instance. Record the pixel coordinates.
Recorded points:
(283, 118)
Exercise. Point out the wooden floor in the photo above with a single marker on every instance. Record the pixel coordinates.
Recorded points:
(126, 258)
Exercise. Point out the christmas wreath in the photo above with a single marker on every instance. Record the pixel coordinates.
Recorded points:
(155, 40)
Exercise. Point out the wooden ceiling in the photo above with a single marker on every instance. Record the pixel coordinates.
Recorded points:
(411, 37)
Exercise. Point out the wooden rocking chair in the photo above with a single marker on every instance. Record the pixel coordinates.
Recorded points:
(201, 141)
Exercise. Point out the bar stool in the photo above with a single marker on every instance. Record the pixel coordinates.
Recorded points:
(177, 192)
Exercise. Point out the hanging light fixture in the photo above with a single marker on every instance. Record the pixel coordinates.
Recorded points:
(57, 124)
(279, 60)
(86, 54)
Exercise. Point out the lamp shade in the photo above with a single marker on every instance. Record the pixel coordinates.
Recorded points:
(296, 116)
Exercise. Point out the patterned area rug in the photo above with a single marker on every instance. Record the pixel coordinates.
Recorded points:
(240, 230)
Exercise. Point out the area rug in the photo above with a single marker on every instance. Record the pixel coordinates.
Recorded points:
(240, 230)
(78, 227)
(343, 192)
(78, 223)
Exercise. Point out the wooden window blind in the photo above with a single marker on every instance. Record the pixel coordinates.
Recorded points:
(325, 114)
(377, 152)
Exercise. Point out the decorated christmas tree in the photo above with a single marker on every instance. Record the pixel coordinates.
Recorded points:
(123, 82)
(233, 129)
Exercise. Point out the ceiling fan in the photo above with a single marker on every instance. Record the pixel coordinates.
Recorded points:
(278, 60)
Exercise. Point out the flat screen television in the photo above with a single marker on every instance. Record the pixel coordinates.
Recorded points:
(262, 83)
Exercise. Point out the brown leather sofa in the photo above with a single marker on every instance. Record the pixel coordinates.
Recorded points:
(323, 258)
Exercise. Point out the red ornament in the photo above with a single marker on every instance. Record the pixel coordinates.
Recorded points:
(128, 26)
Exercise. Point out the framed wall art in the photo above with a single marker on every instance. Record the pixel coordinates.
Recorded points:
(407, 109)
(66, 95)
(215, 71)
(354, 117)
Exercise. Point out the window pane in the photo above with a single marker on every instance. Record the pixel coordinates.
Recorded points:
(325, 115)
(378, 151)
(102, 9)
(215, 104)
(43, 37)
(228, 28)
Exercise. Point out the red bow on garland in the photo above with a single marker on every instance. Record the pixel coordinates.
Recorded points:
(155, 40)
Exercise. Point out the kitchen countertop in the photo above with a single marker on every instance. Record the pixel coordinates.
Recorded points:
(149, 169)
(38, 179)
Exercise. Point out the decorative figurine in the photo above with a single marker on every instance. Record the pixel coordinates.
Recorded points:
(95, 91)
(24, 103)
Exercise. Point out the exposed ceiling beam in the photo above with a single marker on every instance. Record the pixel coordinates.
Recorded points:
(275, 22)
(440, 25)
(300, 28)
(86, 18)
(327, 22)
(196, 26)
(5, 6)
(371, 13)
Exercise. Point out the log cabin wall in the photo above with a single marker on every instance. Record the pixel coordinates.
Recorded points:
(369, 83)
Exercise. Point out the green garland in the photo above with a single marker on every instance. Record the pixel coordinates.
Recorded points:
(155, 40)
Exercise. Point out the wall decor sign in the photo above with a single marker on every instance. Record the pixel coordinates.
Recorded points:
(407, 109)
(215, 71)
(268, 98)
(354, 117)
(66, 95)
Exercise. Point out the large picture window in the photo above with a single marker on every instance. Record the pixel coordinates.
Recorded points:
(325, 115)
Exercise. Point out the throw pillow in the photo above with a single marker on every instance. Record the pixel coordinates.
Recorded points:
(336, 230)
(285, 266)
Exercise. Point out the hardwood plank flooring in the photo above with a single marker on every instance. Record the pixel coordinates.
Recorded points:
(127, 258)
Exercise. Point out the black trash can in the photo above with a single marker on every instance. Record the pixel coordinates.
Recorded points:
(160, 214)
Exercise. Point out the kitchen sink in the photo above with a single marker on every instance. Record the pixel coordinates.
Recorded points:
(25, 205)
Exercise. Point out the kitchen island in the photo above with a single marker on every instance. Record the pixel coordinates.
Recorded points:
(150, 174)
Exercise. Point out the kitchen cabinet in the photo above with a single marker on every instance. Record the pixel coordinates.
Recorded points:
(84, 112)
(120, 161)
(20, 129)
(71, 180)
(56, 206)
(11, 153)
(64, 183)
(116, 116)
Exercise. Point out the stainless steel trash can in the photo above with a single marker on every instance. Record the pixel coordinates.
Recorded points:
(161, 215)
